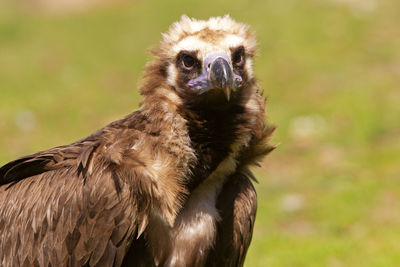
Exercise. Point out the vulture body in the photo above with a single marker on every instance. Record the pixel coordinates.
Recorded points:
(168, 185)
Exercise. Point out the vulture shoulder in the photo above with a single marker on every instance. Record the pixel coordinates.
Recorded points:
(76, 204)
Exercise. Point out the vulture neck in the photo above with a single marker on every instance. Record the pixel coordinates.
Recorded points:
(214, 126)
(211, 127)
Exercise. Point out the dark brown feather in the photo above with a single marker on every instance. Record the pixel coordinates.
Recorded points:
(80, 203)
(237, 205)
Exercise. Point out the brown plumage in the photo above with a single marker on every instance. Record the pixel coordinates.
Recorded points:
(168, 185)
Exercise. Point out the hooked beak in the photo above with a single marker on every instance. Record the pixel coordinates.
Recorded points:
(221, 76)
(217, 74)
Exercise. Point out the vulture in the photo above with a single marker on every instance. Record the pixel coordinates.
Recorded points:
(169, 184)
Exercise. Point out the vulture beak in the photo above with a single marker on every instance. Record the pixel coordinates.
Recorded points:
(221, 76)
(217, 75)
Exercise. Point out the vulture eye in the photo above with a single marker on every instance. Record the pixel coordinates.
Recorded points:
(238, 57)
(188, 62)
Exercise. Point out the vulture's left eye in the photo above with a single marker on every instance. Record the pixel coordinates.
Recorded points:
(238, 57)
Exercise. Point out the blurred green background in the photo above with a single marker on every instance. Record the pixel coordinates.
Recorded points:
(329, 195)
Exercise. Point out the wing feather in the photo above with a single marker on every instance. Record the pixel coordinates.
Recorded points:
(71, 225)
(237, 205)
(67, 206)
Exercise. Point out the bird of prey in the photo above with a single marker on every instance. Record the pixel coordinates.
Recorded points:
(169, 184)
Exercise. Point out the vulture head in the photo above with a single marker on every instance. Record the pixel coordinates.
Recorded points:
(204, 61)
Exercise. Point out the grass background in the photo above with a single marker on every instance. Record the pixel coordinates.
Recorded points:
(329, 195)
